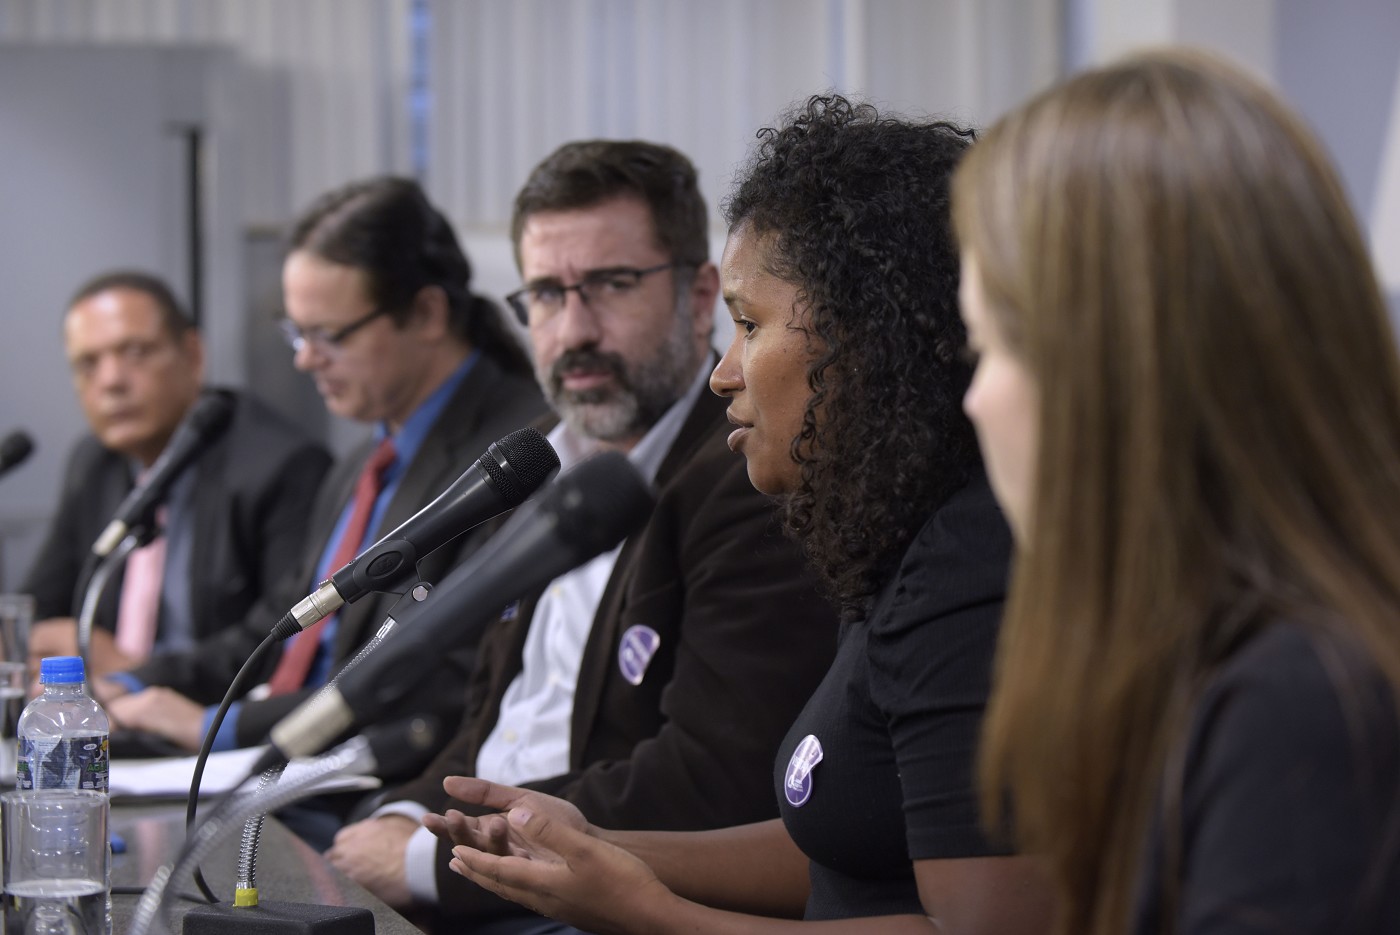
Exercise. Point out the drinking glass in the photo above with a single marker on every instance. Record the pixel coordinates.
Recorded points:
(56, 862)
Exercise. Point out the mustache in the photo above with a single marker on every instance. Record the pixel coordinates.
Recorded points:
(588, 359)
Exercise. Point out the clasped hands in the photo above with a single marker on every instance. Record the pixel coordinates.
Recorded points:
(540, 851)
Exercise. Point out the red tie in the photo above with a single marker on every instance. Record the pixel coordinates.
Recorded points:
(290, 674)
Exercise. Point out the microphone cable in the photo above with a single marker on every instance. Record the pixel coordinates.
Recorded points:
(236, 689)
(353, 755)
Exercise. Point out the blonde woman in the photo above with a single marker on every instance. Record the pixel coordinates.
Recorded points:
(1188, 397)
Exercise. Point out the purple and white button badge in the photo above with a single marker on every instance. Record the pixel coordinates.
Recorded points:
(797, 783)
(634, 653)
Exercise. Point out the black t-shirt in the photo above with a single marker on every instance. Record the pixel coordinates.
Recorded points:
(1289, 819)
(890, 774)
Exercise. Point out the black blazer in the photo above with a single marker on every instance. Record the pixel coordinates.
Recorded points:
(253, 489)
(487, 406)
(744, 640)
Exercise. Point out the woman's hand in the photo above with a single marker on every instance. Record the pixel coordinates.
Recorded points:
(566, 874)
(491, 833)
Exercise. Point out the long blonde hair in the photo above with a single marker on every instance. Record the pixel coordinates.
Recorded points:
(1168, 250)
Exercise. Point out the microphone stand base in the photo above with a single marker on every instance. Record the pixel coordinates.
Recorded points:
(271, 917)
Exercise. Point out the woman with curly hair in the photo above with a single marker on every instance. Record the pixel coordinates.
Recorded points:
(1189, 398)
(845, 377)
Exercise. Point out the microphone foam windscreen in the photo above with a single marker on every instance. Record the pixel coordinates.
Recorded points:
(519, 463)
(211, 412)
(15, 448)
(600, 502)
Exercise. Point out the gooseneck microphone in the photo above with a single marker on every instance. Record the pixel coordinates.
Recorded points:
(586, 512)
(510, 471)
(14, 449)
(205, 421)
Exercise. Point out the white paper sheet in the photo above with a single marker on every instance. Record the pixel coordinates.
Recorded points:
(170, 777)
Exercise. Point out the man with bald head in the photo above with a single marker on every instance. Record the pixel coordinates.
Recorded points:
(234, 519)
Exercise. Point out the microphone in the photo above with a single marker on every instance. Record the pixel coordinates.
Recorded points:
(205, 421)
(14, 449)
(586, 512)
(510, 471)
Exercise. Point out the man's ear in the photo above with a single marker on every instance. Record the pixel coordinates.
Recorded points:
(704, 292)
(431, 312)
(192, 346)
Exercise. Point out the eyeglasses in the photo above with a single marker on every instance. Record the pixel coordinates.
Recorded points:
(600, 290)
(322, 340)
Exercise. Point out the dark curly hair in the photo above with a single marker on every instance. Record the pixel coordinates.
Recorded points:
(856, 205)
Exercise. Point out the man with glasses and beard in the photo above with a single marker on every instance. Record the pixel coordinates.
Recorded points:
(651, 685)
(380, 313)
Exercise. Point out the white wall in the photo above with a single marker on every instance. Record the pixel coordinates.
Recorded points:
(512, 81)
(1337, 62)
(93, 176)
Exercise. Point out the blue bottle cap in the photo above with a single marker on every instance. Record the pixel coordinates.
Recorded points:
(60, 670)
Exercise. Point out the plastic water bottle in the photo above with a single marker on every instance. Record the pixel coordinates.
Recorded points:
(63, 732)
(63, 737)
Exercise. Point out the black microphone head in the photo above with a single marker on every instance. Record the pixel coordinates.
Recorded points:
(207, 418)
(210, 413)
(15, 448)
(598, 503)
(519, 463)
(584, 513)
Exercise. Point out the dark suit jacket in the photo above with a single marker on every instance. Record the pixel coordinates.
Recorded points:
(488, 405)
(744, 640)
(253, 489)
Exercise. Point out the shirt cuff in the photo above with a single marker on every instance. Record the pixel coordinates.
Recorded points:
(227, 738)
(420, 866)
(420, 854)
(402, 807)
(126, 680)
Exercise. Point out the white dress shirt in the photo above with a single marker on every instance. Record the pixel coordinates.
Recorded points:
(531, 738)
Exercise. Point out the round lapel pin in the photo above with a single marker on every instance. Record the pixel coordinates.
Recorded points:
(797, 782)
(635, 651)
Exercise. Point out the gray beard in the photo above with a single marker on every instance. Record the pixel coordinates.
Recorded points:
(642, 392)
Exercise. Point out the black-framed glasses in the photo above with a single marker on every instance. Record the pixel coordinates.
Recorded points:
(599, 289)
(322, 340)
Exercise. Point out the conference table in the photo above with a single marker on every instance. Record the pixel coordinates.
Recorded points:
(288, 869)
